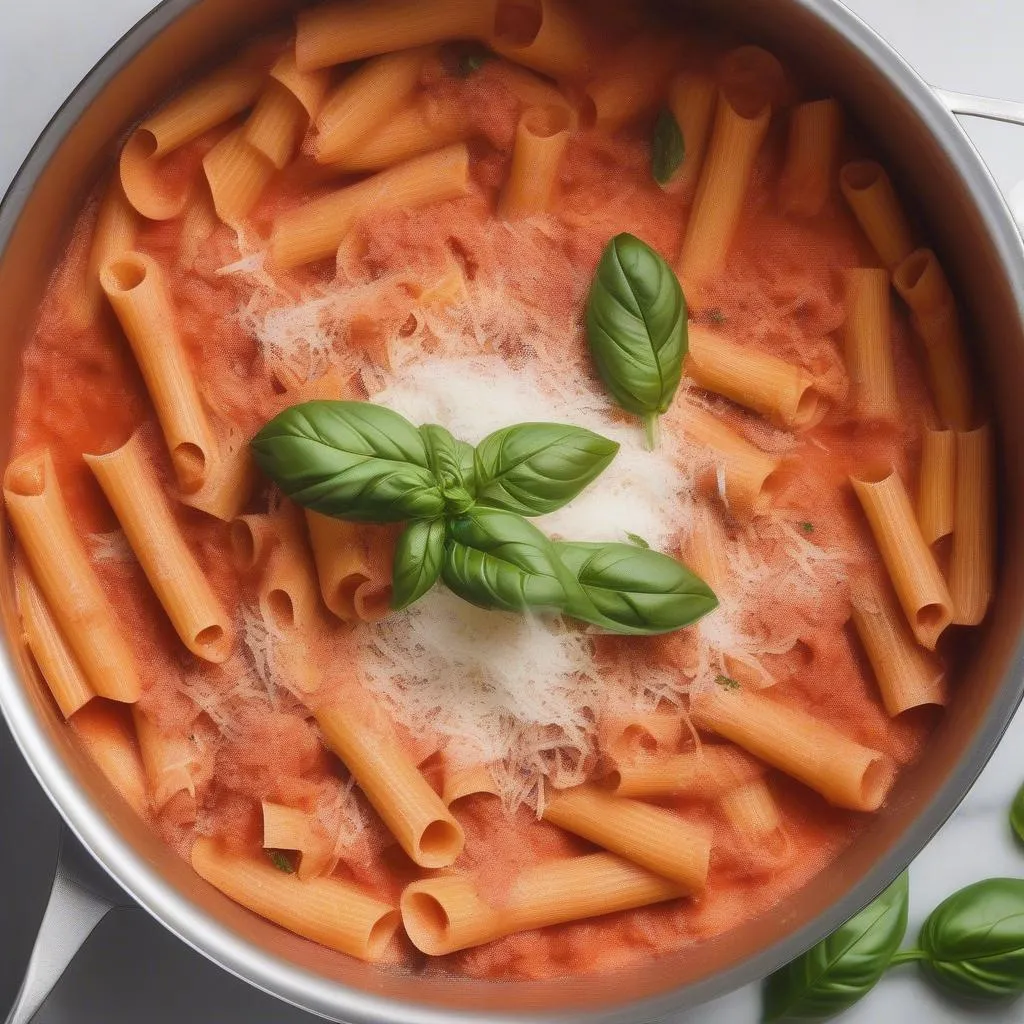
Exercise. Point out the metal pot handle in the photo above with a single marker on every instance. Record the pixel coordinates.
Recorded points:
(81, 896)
(965, 104)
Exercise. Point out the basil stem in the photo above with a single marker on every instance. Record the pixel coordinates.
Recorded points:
(1017, 815)
(637, 329)
(536, 468)
(839, 971)
(419, 557)
(498, 560)
(972, 944)
(350, 460)
(635, 590)
(668, 148)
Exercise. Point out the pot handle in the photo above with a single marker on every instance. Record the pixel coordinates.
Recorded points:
(81, 896)
(965, 104)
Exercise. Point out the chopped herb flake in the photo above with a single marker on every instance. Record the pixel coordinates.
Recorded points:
(727, 682)
(716, 316)
(281, 861)
(807, 527)
(637, 540)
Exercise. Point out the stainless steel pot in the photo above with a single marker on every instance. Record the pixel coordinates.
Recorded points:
(939, 171)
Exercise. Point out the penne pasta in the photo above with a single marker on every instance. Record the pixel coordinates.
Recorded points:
(972, 562)
(288, 597)
(746, 475)
(228, 485)
(65, 578)
(445, 914)
(252, 539)
(545, 35)
(705, 774)
(314, 231)
(354, 567)
(337, 33)
(422, 127)
(295, 831)
(812, 156)
(752, 78)
(334, 913)
(633, 85)
(168, 763)
(725, 178)
(843, 771)
(106, 733)
(707, 549)
(46, 643)
(114, 234)
(752, 811)
(936, 496)
(541, 141)
(779, 391)
(135, 286)
(625, 736)
(209, 103)
(923, 286)
(237, 173)
(412, 811)
(870, 195)
(692, 98)
(919, 584)
(145, 514)
(653, 837)
(908, 677)
(367, 101)
(198, 223)
(868, 336)
(460, 783)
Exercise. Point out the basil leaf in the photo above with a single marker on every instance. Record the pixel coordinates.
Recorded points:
(452, 463)
(637, 329)
(842, 969)
(419, 556)
(1017, 815)
(498, 560)
(350, 460)
(536, 468)
(635, 590)
(972, 945)
(635, 538)
(668, 148)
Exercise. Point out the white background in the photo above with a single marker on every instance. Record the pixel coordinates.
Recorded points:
(132, 971)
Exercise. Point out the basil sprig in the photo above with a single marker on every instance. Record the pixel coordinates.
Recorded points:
(466, 510)
(972, 944)
(637, 329)
(668, 148)
(833, 975)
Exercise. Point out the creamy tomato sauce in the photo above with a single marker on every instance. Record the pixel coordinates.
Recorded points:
(252, 738)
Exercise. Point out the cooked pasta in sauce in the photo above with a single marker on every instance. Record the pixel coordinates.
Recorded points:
(377, 211)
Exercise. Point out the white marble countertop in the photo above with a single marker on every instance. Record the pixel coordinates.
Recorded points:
(46, 47)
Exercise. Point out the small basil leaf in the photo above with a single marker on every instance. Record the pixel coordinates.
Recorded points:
(635, 590)
(536, 468)
(637, 328)
(668, 148)
(842, 969)
(419, 556)
(1017, 815)
(350, 460)
(973, 943)
(451, 460)
(635, 538)
(498, 560)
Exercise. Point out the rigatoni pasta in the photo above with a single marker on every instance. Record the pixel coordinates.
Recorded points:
(812, 156)
(869, 192)
(692, 99)
(868, 335)
(972, 561)
(541, 141)
(936, 493)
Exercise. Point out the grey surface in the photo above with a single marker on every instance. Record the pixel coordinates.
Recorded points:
(130, 970)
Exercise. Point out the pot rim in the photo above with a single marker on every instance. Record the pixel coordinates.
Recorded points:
(316, 994)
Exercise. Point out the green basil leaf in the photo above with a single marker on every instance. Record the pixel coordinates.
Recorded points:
(536, 468)
(668, 148)
(635, 590)
(419, 556)
(973, 943)
(453, 466)
(842, 969)
(350, 460)
(635, 538)
(1017, 815)
(498, 560)
(637, 328)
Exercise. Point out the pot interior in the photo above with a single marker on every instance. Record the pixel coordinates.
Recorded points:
(941, 179)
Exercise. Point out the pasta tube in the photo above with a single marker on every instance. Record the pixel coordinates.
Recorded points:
(66, 580)
(919, 584)
(692, 99)
(168, 762)
(936, 497)
(134, 492)
(812, 156)
(870, 195)
(753, 813)
(446, 914)
(972, 562)
(462, 782)
(288, 828)
(706, 774)
(541, 141)
(290, 101)
(134, 284)
(869, 355)
(334, 913)
(652, 837)
(633, 84)
(548, 37)
(843, 771)
(237, 173)
(107, 736)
